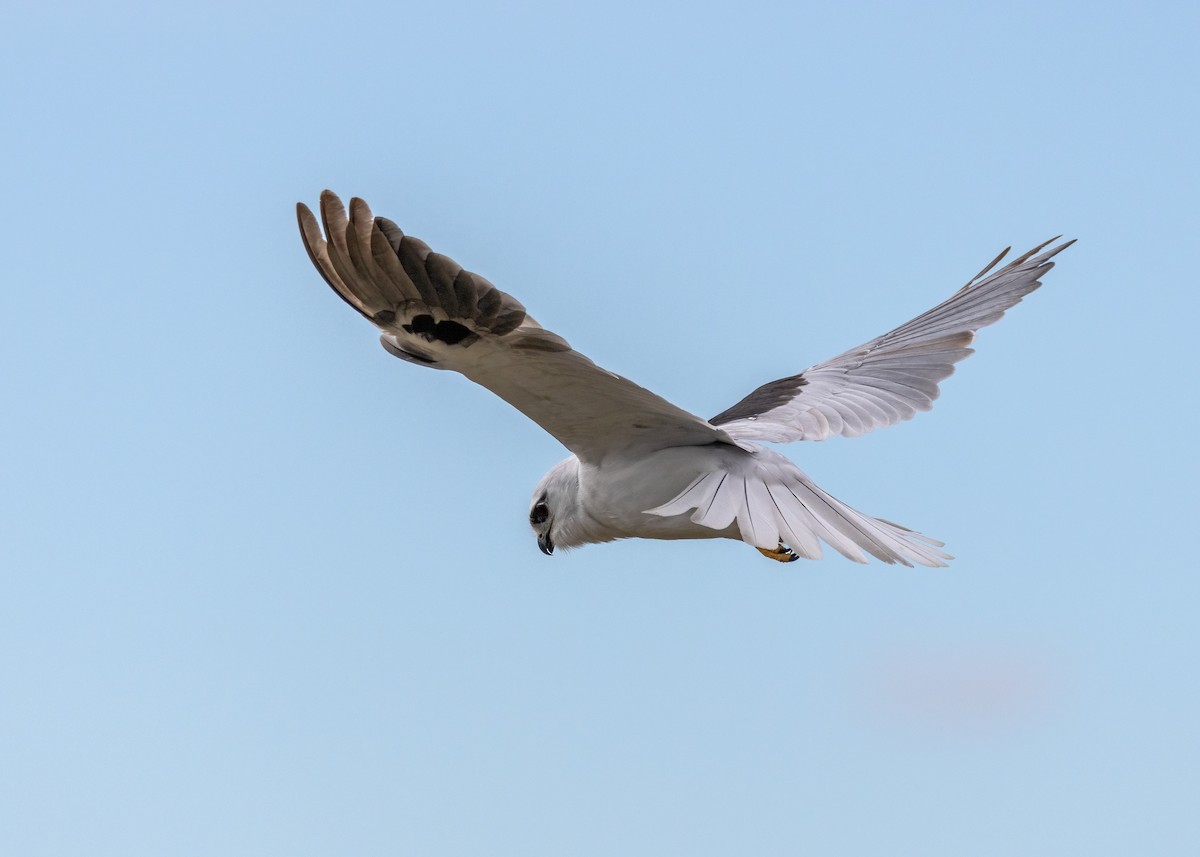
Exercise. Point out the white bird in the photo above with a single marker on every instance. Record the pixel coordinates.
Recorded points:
(642, 467)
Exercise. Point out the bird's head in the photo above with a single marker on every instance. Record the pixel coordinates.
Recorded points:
(553, 510)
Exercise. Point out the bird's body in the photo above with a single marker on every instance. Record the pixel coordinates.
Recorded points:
(717, 491)
(642, 467)
(612, 498)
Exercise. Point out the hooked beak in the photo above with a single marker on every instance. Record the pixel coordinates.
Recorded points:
(545, 544)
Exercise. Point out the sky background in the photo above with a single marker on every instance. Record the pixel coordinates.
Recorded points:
(266, 590)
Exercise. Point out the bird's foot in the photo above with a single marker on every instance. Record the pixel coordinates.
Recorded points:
(783, 553)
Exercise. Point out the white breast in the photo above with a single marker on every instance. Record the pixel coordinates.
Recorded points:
(617, 495)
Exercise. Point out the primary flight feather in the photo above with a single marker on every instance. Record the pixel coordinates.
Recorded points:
(642, 467)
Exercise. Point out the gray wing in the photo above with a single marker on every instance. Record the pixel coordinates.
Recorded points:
(433, 313)
(890, 378)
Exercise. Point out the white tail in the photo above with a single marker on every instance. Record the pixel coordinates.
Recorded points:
(784, 506)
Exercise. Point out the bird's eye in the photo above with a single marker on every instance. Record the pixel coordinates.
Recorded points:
(539, 514)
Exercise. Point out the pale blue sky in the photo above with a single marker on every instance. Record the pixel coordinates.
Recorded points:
(266, 590)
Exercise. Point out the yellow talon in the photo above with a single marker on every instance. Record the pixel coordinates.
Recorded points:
(783, 553)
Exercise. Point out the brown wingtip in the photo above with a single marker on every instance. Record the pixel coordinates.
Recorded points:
(988, 267)
(1064, 245)
(1029, 254)
(310, 235)
(360, 212)
(318, 252)
(1022, 259)
(333, 217)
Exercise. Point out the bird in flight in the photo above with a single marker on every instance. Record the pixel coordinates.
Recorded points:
(640, 466)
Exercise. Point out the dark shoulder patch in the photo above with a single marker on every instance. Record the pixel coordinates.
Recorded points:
(763, 399)
(451, 332)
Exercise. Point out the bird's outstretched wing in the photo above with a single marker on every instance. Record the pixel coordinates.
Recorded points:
(890, 378)
(433, 313)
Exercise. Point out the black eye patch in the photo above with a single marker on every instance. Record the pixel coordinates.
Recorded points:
(540, 513)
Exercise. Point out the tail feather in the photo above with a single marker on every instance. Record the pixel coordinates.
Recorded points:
(773, 505)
